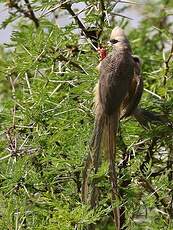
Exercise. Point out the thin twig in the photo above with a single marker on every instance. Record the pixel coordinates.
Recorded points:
(154, 94)
(131, 2)
(83, 10)
(120, 15)
(54, 8)
(5, 157)
(55, 90)
(28, 84)
(14, 98)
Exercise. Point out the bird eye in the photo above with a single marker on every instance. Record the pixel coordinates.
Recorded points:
(113, 41)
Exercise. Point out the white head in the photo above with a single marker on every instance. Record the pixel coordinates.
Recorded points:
(118, 38)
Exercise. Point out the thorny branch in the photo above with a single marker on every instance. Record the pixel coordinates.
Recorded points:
(85, 31)
(27, 13)
(31, 13)
(68, 7)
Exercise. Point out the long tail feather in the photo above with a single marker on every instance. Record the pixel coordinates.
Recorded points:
(111, 130)
(93, 158)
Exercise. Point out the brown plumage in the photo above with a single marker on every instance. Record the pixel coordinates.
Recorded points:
(131, 102)
(116, 74)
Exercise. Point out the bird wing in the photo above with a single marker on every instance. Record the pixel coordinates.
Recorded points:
(116, 72)
(135, 93)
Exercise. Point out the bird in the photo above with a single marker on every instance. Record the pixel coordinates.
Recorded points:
(117, 95)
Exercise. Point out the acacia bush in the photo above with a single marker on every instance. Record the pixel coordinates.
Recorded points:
(47, 76)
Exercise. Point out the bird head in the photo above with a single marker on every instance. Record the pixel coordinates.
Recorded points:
(118, 38)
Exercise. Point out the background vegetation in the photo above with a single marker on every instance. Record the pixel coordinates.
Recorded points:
(47, 76)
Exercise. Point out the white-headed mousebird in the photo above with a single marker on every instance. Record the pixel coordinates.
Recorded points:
(117, 95)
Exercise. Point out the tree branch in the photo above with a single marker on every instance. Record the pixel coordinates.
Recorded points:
(86, 32)
(31, 13)
(28, 14)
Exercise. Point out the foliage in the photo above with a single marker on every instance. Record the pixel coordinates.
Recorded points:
(47, 76)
